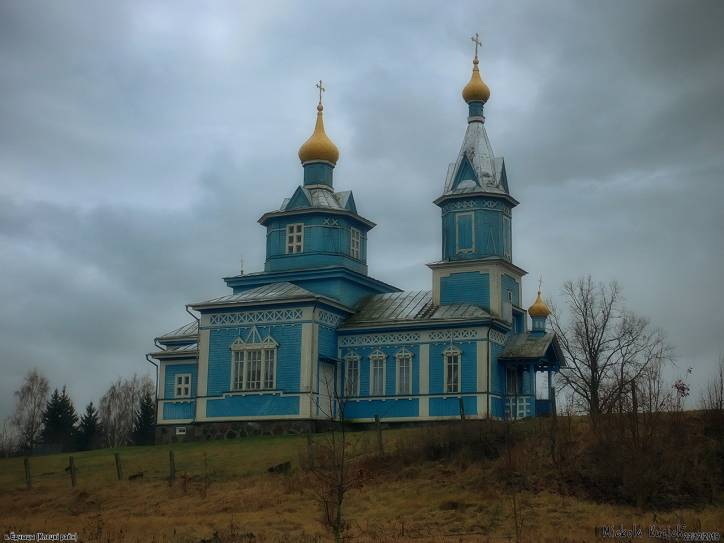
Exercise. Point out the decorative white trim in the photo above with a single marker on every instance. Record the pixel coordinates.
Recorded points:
(329, 318)
(455, 334)
(252, 317)
(498, 337)
(351, 356)
(378, 356)
(403, 353)
(452, 350)
(379, 339)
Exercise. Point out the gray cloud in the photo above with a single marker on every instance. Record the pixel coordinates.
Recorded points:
(139, 143)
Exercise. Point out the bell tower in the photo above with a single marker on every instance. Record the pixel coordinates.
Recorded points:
(476, 265)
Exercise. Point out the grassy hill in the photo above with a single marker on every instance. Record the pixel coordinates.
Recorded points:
(444, 483)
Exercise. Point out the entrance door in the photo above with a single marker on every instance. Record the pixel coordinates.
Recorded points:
(326, 407)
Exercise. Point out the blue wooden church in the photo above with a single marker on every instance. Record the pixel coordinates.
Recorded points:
(314, 337)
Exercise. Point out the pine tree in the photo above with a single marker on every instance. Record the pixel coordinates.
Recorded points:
(145, 420)
(59, 419)
(90, 432)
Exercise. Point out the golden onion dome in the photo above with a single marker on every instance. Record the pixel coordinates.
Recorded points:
(319, 146)
(476, 90)
(539, 308)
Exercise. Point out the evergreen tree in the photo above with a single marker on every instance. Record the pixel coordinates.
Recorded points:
(59, 419)
(90, 433)
(145, 421)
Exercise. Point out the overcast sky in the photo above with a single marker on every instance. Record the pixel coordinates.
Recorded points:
(141, 141)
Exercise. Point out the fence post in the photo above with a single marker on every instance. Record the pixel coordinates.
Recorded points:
(119, 470)
(378, 426)
(462, 409)
(171, 468)
(71, 465)
(310, 450)
(28, 480)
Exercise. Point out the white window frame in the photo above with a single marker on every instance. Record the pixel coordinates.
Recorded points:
(470, 249)
(448, 355)
(295, 238)
(403, 354)
(348, 391)
(243, 355)
(182, 385)
(355, 243)
(377, 357)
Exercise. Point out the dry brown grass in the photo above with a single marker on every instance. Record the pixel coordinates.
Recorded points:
(404, 498)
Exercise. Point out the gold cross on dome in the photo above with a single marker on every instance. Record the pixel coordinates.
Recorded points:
(321, 90)
(476, 41)
(540, 283)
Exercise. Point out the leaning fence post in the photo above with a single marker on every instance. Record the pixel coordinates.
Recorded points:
(28, 480)
(379, 435)
(171, 468)
(119, 469)
(71, 466)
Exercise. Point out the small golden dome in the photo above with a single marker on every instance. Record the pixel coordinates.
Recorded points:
(539, 308)
(476, 90)
(319, 146)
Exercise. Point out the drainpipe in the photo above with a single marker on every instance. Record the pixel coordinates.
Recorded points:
(189, 312)
(148, 358)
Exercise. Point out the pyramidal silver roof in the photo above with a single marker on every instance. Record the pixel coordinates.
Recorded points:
(489, 171)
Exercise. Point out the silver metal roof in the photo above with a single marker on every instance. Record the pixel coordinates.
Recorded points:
(187, 330)
(488, 169)
(273, 291)
(324, 198)
(530, 347)
(410, 306)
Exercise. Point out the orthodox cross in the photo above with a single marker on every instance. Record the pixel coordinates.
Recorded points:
(476, 41)
(321, 90)
(540, 283)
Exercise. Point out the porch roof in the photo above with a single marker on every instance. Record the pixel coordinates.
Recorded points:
(531, 347)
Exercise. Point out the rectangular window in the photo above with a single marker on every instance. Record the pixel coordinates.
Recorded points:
(355, 243)
(253, 370)
(237, 376)
(404, 373)
(295, 238)
(351, 381)
(452, 372)
(183, 385)
(513, 381)
(377, 387)
(269, 364)
(464, 233)
(507, 249)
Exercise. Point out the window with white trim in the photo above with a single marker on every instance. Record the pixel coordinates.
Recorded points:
(464, 232)
(355, 243)
(295, 238)
(451, 357)
(404, 372)
(183, 385)
(253, 365)
(351, 375)
(377, 373)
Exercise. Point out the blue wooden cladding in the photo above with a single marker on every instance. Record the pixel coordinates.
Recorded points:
(283, 343)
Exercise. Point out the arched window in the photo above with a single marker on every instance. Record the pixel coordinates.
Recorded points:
(404, 372)
(451, 369)
(253, 363)
(351, 375)
(377, 373)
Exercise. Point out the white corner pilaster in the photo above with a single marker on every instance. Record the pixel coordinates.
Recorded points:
(424, 384)
(202, 377)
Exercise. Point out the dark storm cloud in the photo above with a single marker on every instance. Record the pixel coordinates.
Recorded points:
(139, 143)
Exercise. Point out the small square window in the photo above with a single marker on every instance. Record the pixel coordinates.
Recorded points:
(295, 238)
(183, 385)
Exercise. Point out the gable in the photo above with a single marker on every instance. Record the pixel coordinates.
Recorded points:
(465, 177)
(298, 200)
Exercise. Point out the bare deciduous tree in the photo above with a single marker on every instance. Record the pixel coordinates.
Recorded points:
(8, 438)
(333, 462)
(118, 407)
(30, 402)
(713, 396)
(607, 347)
